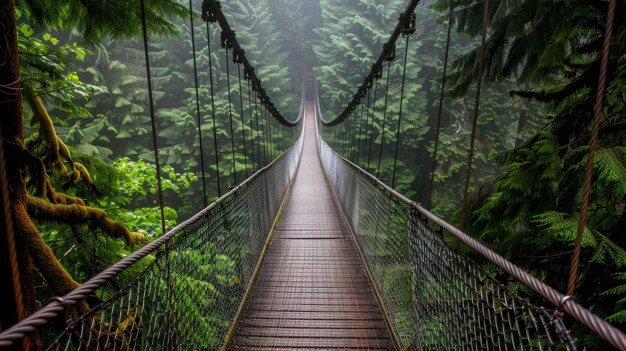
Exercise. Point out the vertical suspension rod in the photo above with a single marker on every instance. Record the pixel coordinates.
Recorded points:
(198, 117)
(470, 155)
(433, 166)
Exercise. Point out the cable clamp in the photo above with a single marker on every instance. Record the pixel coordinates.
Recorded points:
(227, 39)
(248, 73)
(390, 52)
(209, 10)
(407, 24)
(238, 56)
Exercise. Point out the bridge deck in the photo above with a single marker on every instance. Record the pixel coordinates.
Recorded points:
(312, 290)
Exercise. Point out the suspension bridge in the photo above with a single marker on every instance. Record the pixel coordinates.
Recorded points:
(311, 252)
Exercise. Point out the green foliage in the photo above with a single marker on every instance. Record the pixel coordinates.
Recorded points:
(532, 208)
(96, 19)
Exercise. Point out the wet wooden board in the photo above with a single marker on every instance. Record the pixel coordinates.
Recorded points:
(312, 291)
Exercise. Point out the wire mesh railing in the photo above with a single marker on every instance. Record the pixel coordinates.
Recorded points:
(181, 291)
(434, 296)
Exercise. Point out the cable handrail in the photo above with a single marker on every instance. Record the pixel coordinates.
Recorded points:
(563, 302)
(57, 305)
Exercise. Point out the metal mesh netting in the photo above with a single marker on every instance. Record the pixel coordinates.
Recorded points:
(189, 292)
(434, 296)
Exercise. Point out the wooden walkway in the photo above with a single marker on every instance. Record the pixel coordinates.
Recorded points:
(312, 291)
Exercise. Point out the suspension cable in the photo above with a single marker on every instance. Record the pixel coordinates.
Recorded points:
(157, 164)
(360, 126)
(410, 8)
(347, 143)
(433, 167)
(371, 136)
(367, 121)
(243, 124)
(212, 12)
(215, 143)
(355, 126)
(270, 135)
(155, 145)
(258, 131)
(382, 133)
(252, 130)
(395, 155)
(226, 44)
(266, 133)
(199, 118)
(593, 144)
(470, 155)
(260, 116)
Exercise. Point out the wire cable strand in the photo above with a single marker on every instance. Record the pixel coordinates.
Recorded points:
(395, 155)
(433, 166)
(198, 116)
(470, 153)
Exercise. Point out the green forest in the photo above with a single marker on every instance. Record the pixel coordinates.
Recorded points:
(83, 183)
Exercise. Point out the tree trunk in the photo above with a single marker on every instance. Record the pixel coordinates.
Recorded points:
(12, 127)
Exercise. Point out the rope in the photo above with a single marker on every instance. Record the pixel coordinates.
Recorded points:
(243, 124)
(199, 118)
(230, 112)
(215, 146)
(439, 111)
(382, 133)
(155, 145)
(470, 156)
(395, 156)
(593, 144)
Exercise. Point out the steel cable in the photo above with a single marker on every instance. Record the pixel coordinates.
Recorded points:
(395, 155)
(243, 124)
(371, 136)
(479, 80)
(382, 132)
(433, 166)
(215, 143)
(230, 109)
(198, 117)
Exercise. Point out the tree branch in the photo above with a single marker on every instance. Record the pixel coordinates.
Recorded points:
(79, 214)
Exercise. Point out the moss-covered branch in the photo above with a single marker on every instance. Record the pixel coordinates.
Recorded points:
(57, 278)
(75, 214)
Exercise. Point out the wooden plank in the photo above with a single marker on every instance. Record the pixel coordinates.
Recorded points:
(333, 333)
(289, 342)
(300, 323)
(301, 308)
(312, 291)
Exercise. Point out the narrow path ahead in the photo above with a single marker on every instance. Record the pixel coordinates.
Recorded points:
(312, 290)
